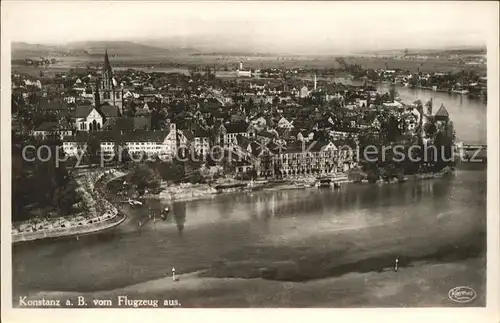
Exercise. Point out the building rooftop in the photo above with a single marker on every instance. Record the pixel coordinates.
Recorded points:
(442, 112)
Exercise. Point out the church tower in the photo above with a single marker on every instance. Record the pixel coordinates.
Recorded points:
(107, 89)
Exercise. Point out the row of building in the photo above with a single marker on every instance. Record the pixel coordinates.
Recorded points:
(272, 138)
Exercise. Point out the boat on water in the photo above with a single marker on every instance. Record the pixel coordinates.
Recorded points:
(303, 185)
(327, 183)
(462, 91)
(164, 213)
(134, 203)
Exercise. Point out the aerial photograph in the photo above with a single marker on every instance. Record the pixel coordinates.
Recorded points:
(248, 155)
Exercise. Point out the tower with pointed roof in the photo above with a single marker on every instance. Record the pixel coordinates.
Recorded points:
(442, 114)
(108, 92)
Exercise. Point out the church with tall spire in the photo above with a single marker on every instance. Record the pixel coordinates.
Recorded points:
(108, 91)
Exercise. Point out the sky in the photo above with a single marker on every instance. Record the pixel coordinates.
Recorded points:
(289, 26)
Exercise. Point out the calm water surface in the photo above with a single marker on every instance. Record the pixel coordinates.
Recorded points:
(355, 222)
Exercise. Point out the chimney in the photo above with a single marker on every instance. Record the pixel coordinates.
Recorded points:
(314, 82)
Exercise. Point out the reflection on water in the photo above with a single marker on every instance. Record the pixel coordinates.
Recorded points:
(262, 226)
(179, 210)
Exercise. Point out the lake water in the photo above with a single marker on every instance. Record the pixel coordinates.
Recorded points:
(361, 225)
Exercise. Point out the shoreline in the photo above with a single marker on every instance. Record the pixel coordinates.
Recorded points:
(188, 195)
(75, 231)
(194, 192)
(105, 221)
(347, 245)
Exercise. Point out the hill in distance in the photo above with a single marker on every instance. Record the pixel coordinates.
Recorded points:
(92, 48)
(458, 50)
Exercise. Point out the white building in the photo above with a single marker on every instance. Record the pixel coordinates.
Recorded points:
(284, 123)
(304, 92)
(51, 128)
(88, 118)
(244, 73)
(151, 143)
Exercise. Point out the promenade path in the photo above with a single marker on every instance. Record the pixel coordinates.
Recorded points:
(78, 224)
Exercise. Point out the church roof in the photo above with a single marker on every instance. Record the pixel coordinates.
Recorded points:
(128, 124)
(108, 110)
(145, 136)
(442, 112)
(82, 111)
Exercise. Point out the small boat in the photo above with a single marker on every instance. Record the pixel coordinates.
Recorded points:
(324, 183)
(164, 213)
(134, 202)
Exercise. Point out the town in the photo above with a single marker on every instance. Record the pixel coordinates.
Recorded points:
(229, 133)
(276, 155)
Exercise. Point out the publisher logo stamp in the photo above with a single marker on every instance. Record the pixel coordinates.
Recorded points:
(462, 294)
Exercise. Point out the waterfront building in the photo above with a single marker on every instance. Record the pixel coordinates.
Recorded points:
(319, 159)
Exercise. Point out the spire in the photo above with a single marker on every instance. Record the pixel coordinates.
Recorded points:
(107, 65)
(107, 73)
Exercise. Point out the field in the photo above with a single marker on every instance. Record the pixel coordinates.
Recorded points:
(159, 62)
(441, 65)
